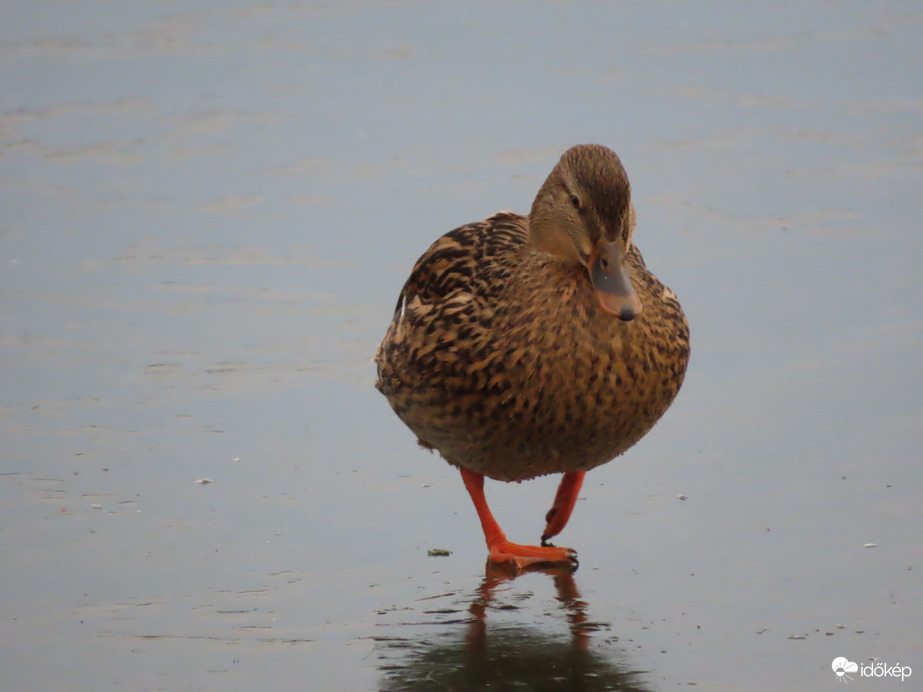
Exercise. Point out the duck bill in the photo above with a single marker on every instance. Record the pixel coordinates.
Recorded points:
(609, 275)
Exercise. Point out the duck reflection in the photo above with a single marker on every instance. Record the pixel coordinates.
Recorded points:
(489, 648)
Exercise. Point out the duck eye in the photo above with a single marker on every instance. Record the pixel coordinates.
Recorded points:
(575, 200)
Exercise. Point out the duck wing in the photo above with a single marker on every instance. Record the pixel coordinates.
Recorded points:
(443, 332)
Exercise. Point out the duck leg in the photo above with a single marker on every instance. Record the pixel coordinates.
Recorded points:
(502, 550)
(564, 501)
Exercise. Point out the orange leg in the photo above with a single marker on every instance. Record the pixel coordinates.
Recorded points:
(502, 550)
(564, 502)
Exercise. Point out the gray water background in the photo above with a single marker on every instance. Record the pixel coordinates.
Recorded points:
(207, 212)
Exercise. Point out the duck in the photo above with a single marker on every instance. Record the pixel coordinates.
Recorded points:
(528, 345)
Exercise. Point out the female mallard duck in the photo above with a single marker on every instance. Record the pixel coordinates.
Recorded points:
(529, 345)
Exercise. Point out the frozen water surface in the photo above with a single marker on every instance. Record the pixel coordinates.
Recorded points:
(208, 211)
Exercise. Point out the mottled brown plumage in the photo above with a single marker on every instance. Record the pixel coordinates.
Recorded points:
(512, 358)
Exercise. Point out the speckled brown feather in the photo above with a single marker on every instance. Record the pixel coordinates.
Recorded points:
(500, 357)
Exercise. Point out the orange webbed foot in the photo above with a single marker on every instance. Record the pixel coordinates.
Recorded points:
(524, 556)
(504, 552)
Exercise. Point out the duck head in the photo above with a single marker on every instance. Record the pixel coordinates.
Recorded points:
(583, 215)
